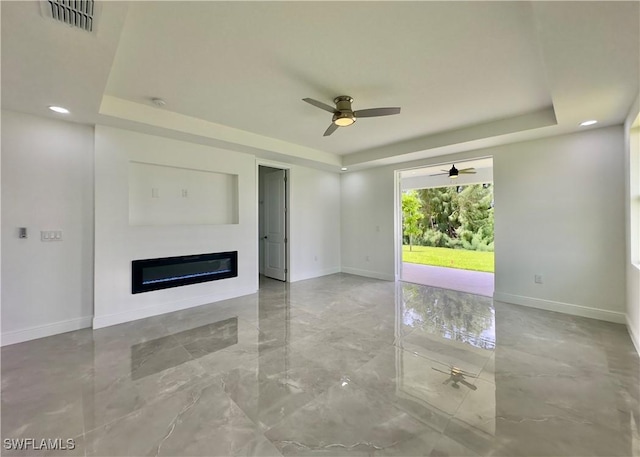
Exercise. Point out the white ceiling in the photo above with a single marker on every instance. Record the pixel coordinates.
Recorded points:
(476, 164)
(466, 74)
(437, 175)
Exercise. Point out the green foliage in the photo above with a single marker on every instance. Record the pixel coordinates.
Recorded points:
(441, 209)
(454, 217)
(475, 242)
(438, 239)
(411, 216)
(476, 218)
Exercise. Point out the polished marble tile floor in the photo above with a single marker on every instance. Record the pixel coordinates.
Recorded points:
(332, 366)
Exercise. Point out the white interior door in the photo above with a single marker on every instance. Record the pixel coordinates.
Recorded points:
(275, 236)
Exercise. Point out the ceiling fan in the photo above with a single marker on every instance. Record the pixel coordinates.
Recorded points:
(343, 115)
(454, 172)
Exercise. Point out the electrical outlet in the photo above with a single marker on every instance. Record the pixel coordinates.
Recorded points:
(537, 279)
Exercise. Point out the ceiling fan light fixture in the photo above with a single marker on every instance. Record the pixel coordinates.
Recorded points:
(343, 119)
(453, 173)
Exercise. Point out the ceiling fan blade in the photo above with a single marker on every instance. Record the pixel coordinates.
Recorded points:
(440, 174)
(466, 169)
(320, 105)
(374, 112)
(462, 172)
(332, 128)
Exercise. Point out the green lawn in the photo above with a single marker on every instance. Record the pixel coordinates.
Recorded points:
(445, 257)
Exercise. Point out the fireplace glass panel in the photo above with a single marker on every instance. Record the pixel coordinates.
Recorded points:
(154, 274)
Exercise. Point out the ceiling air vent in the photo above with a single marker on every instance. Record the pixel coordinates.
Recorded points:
(75, 13)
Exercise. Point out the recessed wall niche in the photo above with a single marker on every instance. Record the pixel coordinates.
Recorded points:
(166, 195)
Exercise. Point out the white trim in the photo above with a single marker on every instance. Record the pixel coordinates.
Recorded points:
(288, 168)
(316, 274)
(163, 308)
(368, 274)
(42, 331)
(633, 335)
(397, 225)
(273, 164)
(566, 308)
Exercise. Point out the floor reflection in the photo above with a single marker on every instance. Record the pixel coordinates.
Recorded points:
(458, 377)
(330, 366)
(450, 314)
(150, 357)
(444, 341)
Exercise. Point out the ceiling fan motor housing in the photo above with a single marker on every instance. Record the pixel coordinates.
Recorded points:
(344, 115)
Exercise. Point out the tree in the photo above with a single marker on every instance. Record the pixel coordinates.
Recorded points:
(458, 217)
(411, 216)
(441, 215)
(476, 217)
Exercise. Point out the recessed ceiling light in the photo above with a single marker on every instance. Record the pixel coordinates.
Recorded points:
(587, 123)
(158, 102)
(344, 168)
(59, 109)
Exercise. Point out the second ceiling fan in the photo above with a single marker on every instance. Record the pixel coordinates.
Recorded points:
(454, 172)
(343, 115)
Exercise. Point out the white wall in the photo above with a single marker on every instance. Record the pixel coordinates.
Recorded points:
(47, 184)
(117, 242)
(559, 212)
(367, 223)
(314, 218)
(161, 195)
(314, 221)
(632, 205)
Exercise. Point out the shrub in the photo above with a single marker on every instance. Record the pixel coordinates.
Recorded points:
(435, 238)
(476, 242)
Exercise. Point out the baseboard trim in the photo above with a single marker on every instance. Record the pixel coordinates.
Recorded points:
(368, 273)
(316, 274)
(566, 308)
(634, 336)
(164, 308)
(42, 331)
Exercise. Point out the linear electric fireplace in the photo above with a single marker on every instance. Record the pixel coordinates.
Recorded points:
(155, 274)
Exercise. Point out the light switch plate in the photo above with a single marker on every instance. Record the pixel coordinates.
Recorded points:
(51, 235)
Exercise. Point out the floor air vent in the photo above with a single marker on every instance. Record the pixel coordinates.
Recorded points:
(75, 13)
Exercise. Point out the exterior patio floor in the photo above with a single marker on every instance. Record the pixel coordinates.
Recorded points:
(474, 282)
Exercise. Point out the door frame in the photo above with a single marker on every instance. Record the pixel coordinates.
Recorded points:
(287, 216)
(397, 224)
(397, 200)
